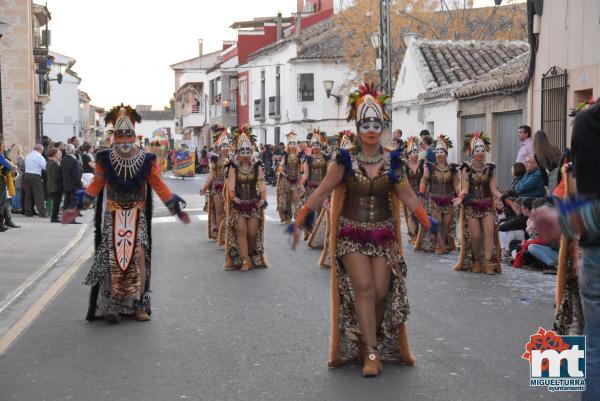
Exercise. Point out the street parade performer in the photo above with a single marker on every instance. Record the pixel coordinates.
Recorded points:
(247, 200)
(414, 173)
(314, 169)
(289, 189)
(122, 192)
(478, 195)
(215, 185)
(368, 272)
(439, 186)
(320, 233)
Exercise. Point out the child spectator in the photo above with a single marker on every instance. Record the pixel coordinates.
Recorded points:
(512, 228)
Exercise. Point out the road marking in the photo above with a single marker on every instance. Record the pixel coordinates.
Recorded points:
(32, 313)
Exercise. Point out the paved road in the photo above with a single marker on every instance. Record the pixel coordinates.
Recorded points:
(262, 335)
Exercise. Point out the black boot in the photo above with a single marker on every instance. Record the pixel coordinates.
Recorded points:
(2, 226)
(8, 219)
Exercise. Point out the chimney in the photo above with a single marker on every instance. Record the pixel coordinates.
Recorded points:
(409, 37)
(279, 27)
(200, 50)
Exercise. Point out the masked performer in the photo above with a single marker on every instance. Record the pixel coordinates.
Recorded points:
(247, 200)
(478, 195)
(314, 168)
(122, 191)
(214, 187)
(289, 188)
(368, 273)
(439, 186)
(414, 173)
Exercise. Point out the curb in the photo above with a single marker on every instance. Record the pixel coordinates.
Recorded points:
(21, 290)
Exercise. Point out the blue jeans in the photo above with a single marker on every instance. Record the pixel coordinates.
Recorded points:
(589, 287)
(544, 254)
(16, 201)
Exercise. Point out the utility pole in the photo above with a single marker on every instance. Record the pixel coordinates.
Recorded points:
(385, 48)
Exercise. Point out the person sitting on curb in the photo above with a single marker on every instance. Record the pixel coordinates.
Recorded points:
(531, 184)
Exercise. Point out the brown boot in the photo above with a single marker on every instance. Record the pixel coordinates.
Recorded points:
(371, 363)
(259, 261)
(141, 315)
(247, 265)
(488, 267)
(112, 316)
(229, 264)
(476, 266)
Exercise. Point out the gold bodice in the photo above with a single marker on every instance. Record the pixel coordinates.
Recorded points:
(414, 178)
(368, 200)
(479, 183)
(317, 168)
(246, 183)
(442, 180)
(219, 167)
(292, 165)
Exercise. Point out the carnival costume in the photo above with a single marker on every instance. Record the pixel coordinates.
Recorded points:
(314, 170)
(412, 148)
(477, 198)
(246, 201)
(215, 185)
(363, 216)
(122, 192)
(438, 188)
(289, 187)
(320, 233)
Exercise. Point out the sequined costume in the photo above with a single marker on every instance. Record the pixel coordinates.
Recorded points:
(317, 168)
(364, 219)
(289, 188)
(246, 189)
(217, 173)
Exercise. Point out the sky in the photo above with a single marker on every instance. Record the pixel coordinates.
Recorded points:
(124, 48)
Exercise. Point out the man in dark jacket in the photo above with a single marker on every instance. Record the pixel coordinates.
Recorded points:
(54, 181)
(71, 174)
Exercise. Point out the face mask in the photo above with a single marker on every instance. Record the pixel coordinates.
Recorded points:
(245, 153)
(370, 126)
(124, 141)
(479, 152)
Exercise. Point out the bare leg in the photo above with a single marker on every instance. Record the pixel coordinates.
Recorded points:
(488, 236)
(446, 224)
(439, 244)
(241, 231)
(252, 234)
(382, 275)
(359, 269)
(475, 231)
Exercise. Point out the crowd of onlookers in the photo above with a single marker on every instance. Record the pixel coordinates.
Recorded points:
(46, 180)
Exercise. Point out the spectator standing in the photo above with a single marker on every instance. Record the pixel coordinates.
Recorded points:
(427, 148)
(16, 156)
(532, 184)
(88, 165)
(71, 178)
(54, 182)
(526, 146)
(32, 182)
(549, 160)
(397, 139)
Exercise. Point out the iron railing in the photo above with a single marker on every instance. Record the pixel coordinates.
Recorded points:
(554, 106)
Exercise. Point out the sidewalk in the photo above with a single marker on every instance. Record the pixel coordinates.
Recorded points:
(31, 251)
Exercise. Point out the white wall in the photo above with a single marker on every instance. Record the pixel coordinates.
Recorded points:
(327, 115)
(147, 127)
(61, 114)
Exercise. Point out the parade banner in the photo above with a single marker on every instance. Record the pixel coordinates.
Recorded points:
(185, 162)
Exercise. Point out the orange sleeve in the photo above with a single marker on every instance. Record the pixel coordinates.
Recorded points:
(158, 185)
(97, 183)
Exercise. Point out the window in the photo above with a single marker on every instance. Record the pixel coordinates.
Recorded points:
(306, 87)
(243, 86)
(262, 94)
(272, 106)
(277, 135)
(258, 109)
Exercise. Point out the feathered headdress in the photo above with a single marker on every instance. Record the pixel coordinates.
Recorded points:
(443, 142)
(244, 137)
(475, 139)
(366, 104)
(291, 137)
(317, 137)
(221, 136)
(411, 144)
(346, 139)
(122, 118)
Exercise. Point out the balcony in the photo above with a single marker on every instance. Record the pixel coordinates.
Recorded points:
(193, 118)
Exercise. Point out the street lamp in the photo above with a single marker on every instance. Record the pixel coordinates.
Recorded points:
(376, 43)
(328, 85)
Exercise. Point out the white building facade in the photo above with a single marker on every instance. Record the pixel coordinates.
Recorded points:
(62, 113)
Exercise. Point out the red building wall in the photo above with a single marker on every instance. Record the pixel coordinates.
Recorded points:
(243, 114)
